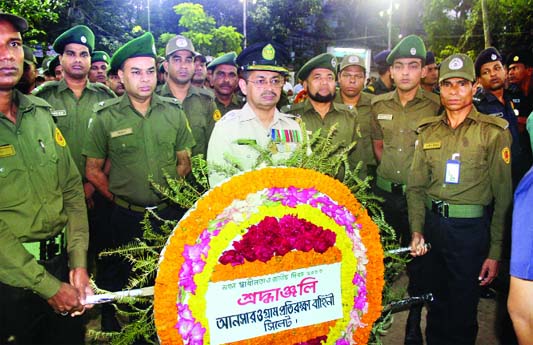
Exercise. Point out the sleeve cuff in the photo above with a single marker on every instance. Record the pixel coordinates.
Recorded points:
(47, 287)
(77, 259)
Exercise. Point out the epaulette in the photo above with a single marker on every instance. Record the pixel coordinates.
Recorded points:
(478, 97)
(230, 115)
(104, 104)
(205, 92)
(383, 97)
(342, 106)
(38, 101)
(424, 122)
(105, 88)
(497, 121)
(171, 100)
(289, 108)
(44, 86)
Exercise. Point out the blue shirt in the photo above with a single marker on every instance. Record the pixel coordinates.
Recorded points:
(522, 244)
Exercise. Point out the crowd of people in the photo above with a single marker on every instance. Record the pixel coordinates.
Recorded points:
(446, 144)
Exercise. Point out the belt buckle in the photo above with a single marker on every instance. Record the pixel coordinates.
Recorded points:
(396, 188)
(440, 207)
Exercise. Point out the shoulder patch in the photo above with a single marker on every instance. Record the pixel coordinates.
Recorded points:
(506, 155)
(424, 122)
(39, 102)
(217, 115)
(496, 121)
(45, 86)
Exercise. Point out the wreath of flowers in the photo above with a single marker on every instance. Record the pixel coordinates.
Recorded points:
(320, 222)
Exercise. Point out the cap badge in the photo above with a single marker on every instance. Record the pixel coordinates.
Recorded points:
(268, 52)
(181, 42)
(334, 62)
(353, 59)
(516, 58)
(153, 49)
(413, 51)
(104, 57)
(83, 39)
(455, 64)
(493, 57)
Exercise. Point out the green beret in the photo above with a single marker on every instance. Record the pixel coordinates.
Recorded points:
(29, 58)
(411, 46)
(226, 59)
(143, 45)
(325, 60)
(99, 55)
(263, 56)
(352, 60)
(79, 34)
(18, 22)
(457, 66)
(53, 64)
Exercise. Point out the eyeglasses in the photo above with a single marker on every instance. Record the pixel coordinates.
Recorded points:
(262, 82)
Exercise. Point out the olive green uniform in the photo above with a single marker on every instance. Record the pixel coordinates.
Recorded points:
(235, 104)
(396, 125)
(481, 144)
(202, 113)
(41, 193)
(364, 118)
(348, 128)
(377, 88)
(138, 146)
(71, 114)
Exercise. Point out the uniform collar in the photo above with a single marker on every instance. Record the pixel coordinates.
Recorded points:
(125, 101)
(420, 94)
(62, 86)
(248, 114)
(473, 115)
(165, 91)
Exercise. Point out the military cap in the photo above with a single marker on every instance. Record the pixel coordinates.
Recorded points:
(430, 58)
(201, 58)
(53, 64)
(140, 46)
(18, 22)
(263, 56)
(79, 34)
(325, 60)
(457, 66)
(381, 58)
(523, 56)
(352, 60)
(490, 54)
(99, 55)
(411, 46)
(29, 58)
(179, 42)
(226, 59)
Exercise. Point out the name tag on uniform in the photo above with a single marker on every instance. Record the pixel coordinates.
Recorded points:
(58, 113)
(387, 117)
(453, 170)
(121, 132)
(7, 151)
(432, 146)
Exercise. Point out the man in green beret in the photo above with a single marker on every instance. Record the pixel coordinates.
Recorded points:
(114, 82)
(99, 66)
(43, 220)
(224, 81)
(395, 116)
(27, 82)
(320, 112)
(198, 104)
(459, 191)
(352, 71)
(259, 122)
(144, 136)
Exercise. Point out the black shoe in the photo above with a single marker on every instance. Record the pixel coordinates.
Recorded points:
(413, 333)
(109, 322)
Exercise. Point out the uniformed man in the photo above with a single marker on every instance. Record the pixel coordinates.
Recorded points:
(520, 71)
(431, 80)
(352, 71)
(258, 122)
(198, 104)
(384, 83)
(114, 83)
(41, 279)
(144, 136)
(27, 83)
(492, 99)
(99, 66)
(319, 112)
(394, 121)
(461, 165)
(45, 64)
(224, 81)
(200, 71)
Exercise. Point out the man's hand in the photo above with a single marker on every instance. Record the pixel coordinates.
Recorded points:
(66, 300)
(80, 280)
(418, 247)
(489, 271)
(89, 189)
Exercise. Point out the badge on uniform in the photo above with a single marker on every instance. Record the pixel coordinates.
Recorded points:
(453, 170)
(59, 113)
(387, 117)
(60, 139)
(217, 115)
(7, 151)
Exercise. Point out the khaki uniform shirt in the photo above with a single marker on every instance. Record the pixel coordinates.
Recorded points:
(139, 147)
(348, 128)
(481, 145)
(234, 133)
(364, 118)
(202, 113)
(377, 88)
(71, 114)
(396, 125)
(40, 194)
(235, 104)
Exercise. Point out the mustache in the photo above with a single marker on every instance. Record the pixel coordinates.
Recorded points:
(268, 93)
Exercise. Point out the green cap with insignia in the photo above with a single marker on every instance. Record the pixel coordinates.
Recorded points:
(263, 56)
(179, 42)
(79, 34)
(411, 46)
(226, 59)
(99, 55)
(18, 22)
(352, 60)
(325, 60)
(143, 45)
(29, 58)
(457, 66)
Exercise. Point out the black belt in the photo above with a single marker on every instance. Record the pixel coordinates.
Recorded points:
(47, 249)
(136, 208)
